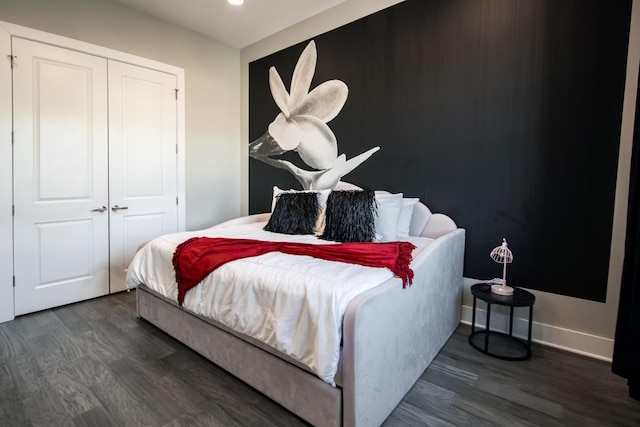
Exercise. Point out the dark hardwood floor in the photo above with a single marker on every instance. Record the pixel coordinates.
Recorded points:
(95, 364)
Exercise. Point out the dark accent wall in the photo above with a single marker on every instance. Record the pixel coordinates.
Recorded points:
(503, 114)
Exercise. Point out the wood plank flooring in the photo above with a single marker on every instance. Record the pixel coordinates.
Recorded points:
(94, 364)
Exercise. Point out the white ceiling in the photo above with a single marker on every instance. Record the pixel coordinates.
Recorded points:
(238, 26)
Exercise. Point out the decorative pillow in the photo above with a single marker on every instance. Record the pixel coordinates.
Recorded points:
(349, 216)
(322, 203)
(388, 212)
(404, 220)
(294, 213)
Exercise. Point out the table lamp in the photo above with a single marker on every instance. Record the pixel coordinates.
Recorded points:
(502, 255)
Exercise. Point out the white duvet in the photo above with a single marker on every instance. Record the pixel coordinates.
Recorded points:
(292, 303)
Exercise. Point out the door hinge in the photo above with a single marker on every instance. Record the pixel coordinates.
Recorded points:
(176, 90)
(176, 201)
(176, 148)
(14, 281)
(12, 58)
(13, 210)
(13, 137)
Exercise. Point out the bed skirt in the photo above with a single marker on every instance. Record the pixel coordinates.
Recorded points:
(294, 388)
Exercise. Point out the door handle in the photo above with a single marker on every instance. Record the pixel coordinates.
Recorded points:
(119, 208)
(100, 209)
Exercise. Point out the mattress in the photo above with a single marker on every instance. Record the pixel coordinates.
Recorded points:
(294, 304)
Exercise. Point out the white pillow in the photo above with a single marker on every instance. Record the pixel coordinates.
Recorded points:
(323, 195)
(386, 219)
(404, 220)
(276, 192)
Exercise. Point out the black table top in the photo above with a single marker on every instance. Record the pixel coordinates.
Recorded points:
(520, 297)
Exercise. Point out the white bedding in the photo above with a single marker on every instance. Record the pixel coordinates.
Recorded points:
(292, 303)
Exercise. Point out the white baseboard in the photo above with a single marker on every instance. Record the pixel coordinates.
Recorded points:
(549, 335)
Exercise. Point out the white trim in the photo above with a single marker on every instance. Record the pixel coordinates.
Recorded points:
(80, 46)
(552, 336)
(6, 217)
(181, 141)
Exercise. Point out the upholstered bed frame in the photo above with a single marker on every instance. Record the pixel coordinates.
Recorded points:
(390, 335)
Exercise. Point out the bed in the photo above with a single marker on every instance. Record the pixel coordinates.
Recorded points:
(387, 334)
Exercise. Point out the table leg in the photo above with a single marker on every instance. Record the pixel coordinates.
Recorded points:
(486, 330)
(530, 326)
(511, 323)
(473, 316)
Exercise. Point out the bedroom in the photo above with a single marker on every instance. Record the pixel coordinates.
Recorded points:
(217, 122)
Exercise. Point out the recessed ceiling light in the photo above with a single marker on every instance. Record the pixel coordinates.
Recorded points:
(236, 2)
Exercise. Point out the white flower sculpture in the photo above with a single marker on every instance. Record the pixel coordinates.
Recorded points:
(301, 126)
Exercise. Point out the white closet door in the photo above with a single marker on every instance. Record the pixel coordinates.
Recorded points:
(60, 164)
(143, 161)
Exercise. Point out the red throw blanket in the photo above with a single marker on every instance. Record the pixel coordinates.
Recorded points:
(195, 258)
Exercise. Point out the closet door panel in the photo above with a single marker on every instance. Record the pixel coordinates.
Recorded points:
(61, 164)
(143, 161)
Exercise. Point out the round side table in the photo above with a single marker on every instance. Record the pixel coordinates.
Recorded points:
(505, 346)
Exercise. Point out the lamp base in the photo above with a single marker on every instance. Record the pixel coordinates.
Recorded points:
(502, 290)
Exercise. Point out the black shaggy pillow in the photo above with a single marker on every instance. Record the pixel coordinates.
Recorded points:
(294, 213)
(349, 216)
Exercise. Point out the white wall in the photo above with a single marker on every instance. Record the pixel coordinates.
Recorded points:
(212, 76)
(582, 326)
